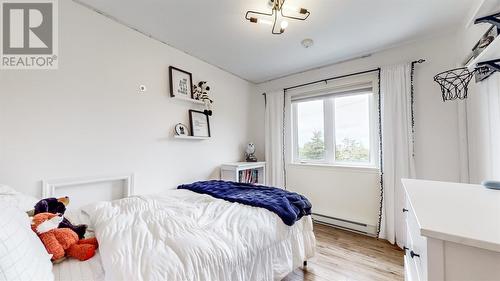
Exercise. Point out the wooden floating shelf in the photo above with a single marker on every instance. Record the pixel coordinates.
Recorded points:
(492, 52)
(191, 137)
(189, 100)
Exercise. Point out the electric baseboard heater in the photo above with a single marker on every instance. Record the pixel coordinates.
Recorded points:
(358, 227)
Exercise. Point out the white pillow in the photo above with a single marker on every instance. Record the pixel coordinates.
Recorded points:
(22, 254)
(6, 190)
(77, 216)
(12, 197)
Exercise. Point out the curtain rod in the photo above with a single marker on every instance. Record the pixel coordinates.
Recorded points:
(342, 76)
(332, 78)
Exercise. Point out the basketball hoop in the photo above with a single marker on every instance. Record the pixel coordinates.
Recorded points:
(454, 83)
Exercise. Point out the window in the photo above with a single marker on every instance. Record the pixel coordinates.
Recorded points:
(310, 130)
(337, 129)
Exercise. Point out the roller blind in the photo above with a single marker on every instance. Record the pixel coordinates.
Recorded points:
(346, 86)
(332, 91)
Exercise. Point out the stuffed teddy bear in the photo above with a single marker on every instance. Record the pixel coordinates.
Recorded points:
(62, 242)
(58, 206)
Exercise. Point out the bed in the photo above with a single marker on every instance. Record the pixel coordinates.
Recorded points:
(74, 270)
(183, 235)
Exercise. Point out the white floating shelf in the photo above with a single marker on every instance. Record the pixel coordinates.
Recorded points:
(492, 52)
(189, 100)
(487, 7)
(191, 137)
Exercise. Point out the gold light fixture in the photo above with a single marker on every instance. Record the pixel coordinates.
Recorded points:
(278, 18)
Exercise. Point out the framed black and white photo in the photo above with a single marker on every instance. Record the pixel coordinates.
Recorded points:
(181, 130)
(200, 124)
(181, 83)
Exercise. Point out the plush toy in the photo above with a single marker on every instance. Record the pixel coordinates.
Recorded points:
(200, 92)
(250, 153)
(58, 206)
(62, 242)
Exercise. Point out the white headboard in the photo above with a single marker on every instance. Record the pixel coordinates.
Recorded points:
(82, 191)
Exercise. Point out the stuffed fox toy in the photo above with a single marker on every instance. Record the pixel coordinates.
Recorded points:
(58, 206)
(62, 242)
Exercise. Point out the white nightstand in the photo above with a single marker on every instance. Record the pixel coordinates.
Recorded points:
(248, 172)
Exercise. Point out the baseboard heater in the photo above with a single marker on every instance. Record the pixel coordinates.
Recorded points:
(358, 227)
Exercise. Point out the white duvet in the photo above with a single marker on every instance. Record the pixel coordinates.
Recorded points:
(182, 235)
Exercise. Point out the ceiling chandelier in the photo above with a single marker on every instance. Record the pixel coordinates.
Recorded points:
(278, 15)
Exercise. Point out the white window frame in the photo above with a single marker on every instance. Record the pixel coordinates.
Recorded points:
(329, 132)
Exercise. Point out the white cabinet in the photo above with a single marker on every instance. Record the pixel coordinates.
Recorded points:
(249, 172)
(417, 252)
(452, 231)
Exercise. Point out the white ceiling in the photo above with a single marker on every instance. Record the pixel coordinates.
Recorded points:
(216, 31)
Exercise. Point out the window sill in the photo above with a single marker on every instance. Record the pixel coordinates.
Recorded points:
(364, 169)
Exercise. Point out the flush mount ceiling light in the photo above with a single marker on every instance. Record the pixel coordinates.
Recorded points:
(277, 17)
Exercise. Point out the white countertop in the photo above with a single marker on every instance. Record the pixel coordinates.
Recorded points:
(462, 213)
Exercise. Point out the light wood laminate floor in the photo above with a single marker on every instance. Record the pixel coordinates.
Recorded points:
(343, 255)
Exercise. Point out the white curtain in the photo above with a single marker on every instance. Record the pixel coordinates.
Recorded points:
(491, 88)
(274, 138)
(483, 114)
(398, 160)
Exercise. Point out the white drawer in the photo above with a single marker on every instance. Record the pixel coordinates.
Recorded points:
(416, 244)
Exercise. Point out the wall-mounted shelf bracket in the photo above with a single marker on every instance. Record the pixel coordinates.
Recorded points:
(486, 68)
(491, 19)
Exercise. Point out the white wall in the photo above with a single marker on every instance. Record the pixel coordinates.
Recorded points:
(87, 118)
(256, 128)
(340, 192)
(437, 145)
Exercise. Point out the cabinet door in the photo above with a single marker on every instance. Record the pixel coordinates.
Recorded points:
(410, 269)
(417, 244)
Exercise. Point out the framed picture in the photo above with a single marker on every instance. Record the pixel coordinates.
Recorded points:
(181, 130)
(200, 124)
(181, 83)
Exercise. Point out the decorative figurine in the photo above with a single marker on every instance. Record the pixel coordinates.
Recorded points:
(250, 153)
(181, 130)
(200, 92)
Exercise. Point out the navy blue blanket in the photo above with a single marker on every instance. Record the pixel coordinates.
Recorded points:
(289, 206)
